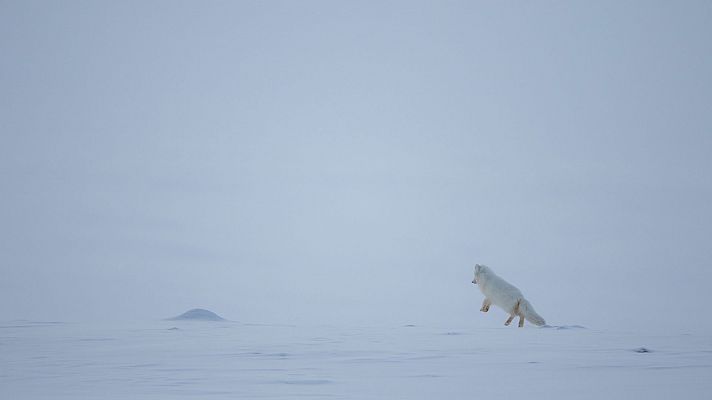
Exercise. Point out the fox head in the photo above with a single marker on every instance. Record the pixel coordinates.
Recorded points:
(478, 270)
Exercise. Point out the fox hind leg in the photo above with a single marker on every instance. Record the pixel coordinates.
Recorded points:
(486, 305)
(509, 320)
(517, 312)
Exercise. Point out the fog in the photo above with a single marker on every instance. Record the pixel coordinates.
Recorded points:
(350, 162)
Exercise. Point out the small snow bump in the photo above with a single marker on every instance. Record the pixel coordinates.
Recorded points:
(198, 314)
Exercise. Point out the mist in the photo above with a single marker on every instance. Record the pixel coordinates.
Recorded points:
(350, 162)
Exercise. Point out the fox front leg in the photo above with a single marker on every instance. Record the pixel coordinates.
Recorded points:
(486, 305)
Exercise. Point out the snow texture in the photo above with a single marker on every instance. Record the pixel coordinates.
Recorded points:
(224, 360)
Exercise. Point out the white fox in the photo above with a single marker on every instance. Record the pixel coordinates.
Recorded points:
(504, 295)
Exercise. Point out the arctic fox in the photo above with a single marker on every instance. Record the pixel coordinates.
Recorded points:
(499, 292)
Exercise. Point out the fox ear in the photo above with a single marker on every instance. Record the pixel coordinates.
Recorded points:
(478, 267)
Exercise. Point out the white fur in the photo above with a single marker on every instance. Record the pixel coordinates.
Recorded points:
(504, 295)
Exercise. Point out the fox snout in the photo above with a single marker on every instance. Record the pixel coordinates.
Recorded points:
(474, 281)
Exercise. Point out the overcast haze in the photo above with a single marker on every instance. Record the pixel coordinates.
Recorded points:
(350, 162)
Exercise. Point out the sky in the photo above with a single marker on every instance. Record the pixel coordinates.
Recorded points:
(325, 162)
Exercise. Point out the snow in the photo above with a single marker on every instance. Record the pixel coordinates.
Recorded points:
(227, 360)
(198, 314)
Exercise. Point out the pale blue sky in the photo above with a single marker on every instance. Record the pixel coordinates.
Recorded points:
(352, 161)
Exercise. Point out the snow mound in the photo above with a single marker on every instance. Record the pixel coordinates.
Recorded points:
(198, 314)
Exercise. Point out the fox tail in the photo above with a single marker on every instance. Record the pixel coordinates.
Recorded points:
(529, 314)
